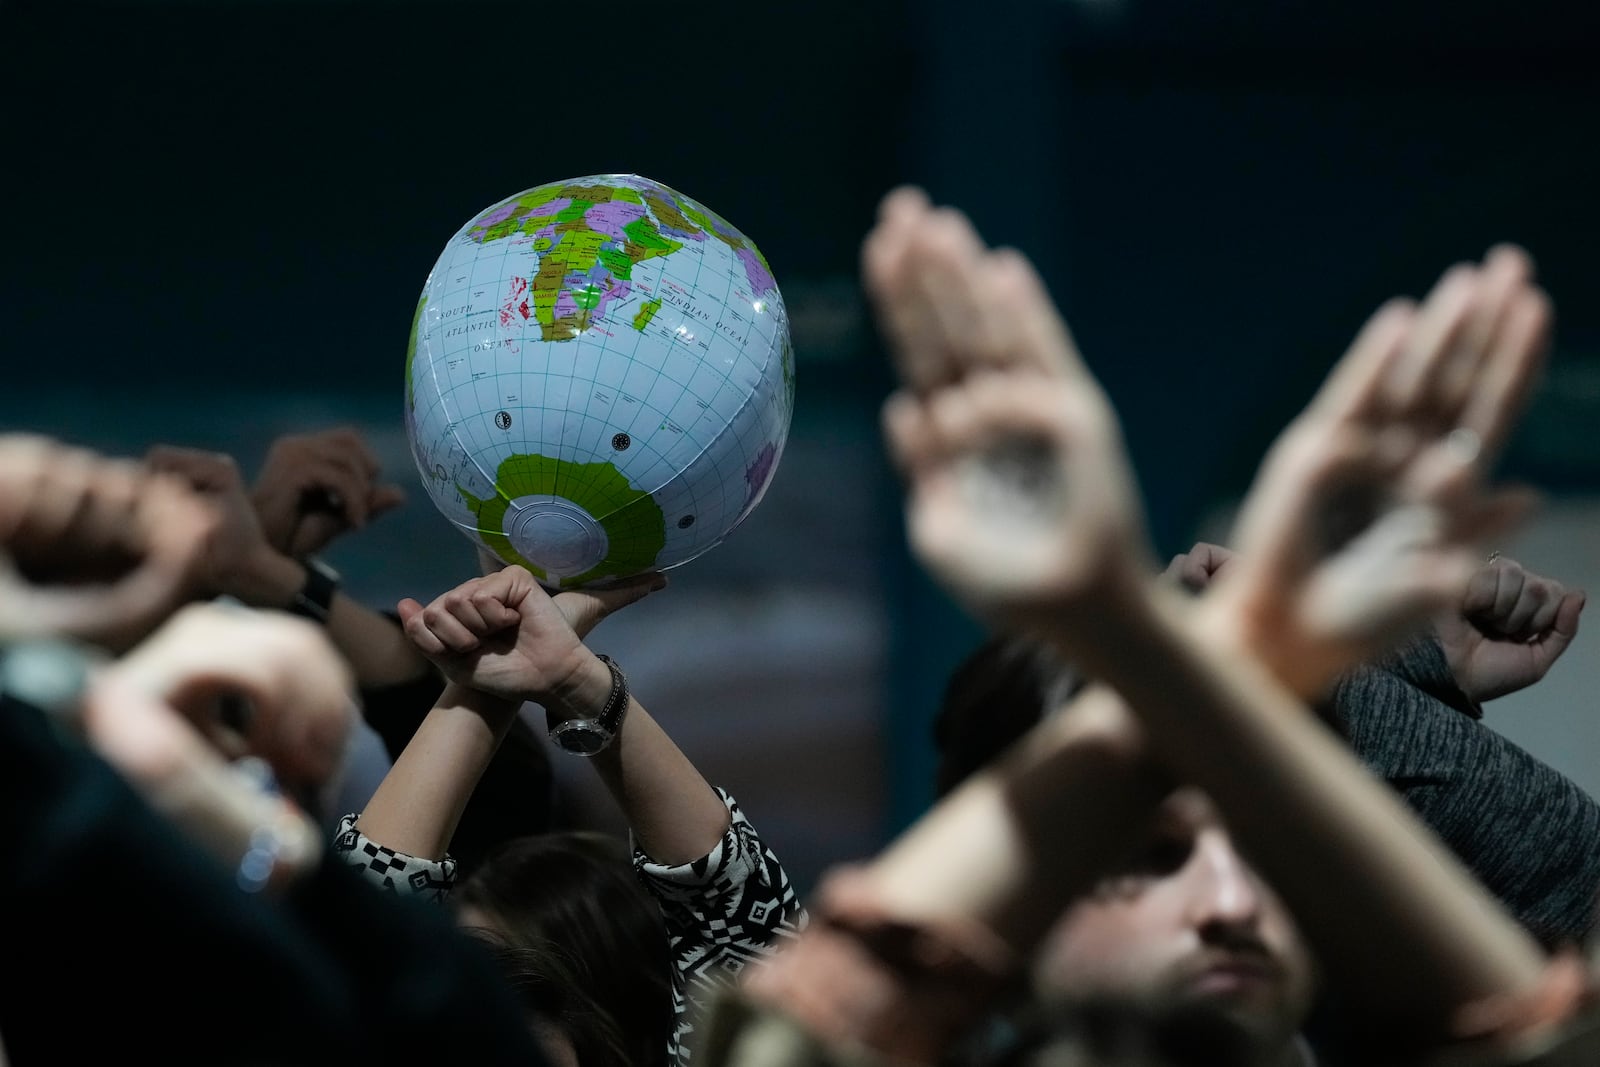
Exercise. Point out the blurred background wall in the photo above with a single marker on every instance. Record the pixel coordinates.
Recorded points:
(218, 216)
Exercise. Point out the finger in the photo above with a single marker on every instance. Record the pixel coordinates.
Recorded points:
(170, 531)
(1549, 646)
(107, 537)
(461, 605)
(211, 471)
(1440, 322)
(925, 353)
(349, 490)
(1478, 599)
(511, 584)
(416, 628)
(1510, 372)
(1509, 584)
(1027, 329)
(945, 267)
(884, 248)
(384, 498)
(450, 631)
(1536, 602)
(352, 464)
(1434, 581)
(494, 612)
(589, 607)
(1568, 613)
(884, 266)
(1506, 272)
(1188, 572)
(908, 435)
(1213, 557)
(347, 441)
(1014, 409)
(1355, 389)
(50, 501)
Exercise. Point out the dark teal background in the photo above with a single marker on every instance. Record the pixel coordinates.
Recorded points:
(1219, 194)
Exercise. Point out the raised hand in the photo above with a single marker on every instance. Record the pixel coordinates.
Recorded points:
(292, 694)
(1369, 510)
(241, 562)
(154, 716)
(504, 635)
(1509, 629)
(1020, 496)
(315, 486)
(94, 548)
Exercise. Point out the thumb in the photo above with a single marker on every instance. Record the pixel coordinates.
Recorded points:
(1549, 646)
(596, 604)
(408, 609)
(384, 498)
(1565, 626)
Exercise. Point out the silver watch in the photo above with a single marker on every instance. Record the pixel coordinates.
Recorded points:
(586, 736)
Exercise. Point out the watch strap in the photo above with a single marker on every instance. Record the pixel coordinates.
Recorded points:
(314, 601)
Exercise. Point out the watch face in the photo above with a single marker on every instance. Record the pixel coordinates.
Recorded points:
(583, 736)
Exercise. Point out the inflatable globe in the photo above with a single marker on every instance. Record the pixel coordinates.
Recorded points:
(599, 380)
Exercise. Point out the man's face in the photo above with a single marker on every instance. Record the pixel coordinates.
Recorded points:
(1184, 923)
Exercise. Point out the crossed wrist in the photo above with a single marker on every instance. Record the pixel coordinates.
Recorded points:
(582, 691)
(267, 579)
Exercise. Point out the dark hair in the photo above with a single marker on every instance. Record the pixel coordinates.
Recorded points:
(998, 693)
(582, 942)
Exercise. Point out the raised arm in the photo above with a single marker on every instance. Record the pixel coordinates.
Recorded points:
(502, 641)
(1003, 449)
(1396, 443)
(1508, 629)
(314, 487)
(245, 564)
(94, 548)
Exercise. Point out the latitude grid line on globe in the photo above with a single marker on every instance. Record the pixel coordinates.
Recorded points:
(446, 397)
(491, 311)
(721, 480)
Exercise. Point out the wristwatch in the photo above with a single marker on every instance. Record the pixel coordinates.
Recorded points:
(585, 737)
(314, 601)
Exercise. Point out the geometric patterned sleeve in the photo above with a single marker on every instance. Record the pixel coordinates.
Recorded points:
(403, 875)
(730, 909)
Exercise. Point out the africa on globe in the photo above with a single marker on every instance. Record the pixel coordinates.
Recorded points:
(599, 380)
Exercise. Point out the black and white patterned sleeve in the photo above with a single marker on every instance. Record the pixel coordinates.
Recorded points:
(731, 908)
(399, 873)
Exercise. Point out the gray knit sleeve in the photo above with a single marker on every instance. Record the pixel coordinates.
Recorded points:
(1530, 835)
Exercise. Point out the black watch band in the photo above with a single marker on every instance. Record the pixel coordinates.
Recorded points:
(587, 736)
(314, 601)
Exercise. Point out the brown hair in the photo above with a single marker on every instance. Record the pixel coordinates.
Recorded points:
(582, 942)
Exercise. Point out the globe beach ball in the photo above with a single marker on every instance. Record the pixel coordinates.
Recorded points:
(599, 379)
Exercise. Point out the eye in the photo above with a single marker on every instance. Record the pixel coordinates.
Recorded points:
(1164, 854)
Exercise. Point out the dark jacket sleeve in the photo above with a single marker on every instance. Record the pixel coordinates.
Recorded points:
(1530, 834)
(110, 912)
